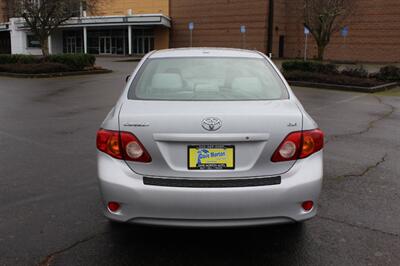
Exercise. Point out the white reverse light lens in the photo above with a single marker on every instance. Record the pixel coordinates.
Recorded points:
(134, 150)
(288, 149)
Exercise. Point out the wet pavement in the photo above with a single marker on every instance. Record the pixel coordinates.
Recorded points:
(50, 212)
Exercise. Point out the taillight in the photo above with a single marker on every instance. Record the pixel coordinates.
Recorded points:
(133, 149)
(299, 145)
(122, 145)
(313, 141)
(108, 142)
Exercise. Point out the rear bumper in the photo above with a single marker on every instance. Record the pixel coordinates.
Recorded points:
(228, 206)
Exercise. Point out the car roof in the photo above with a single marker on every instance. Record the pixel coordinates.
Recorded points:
(206, 52)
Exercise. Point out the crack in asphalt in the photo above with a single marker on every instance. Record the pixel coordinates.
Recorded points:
(370, 124)
(49, 258)
(366, 170)
(358, 226)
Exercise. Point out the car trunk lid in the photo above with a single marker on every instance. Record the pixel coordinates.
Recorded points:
(167, 128)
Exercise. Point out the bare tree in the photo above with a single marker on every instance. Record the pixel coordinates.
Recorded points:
(324, 17)
(43, 17)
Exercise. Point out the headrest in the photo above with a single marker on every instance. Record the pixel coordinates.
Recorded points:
(247, 85)
(167, 81)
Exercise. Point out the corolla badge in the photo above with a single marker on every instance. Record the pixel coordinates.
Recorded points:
(211, 124)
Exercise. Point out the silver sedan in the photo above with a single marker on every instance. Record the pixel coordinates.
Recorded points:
(209, 137)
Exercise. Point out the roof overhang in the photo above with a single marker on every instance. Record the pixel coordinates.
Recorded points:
(101, 21)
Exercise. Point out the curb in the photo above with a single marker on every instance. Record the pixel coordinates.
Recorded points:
(328, 86)
(55, 75)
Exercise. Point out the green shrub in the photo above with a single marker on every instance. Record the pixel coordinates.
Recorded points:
(44, 67)
(358, 72)
(19, 59)
(309, 66)
(74, 61)
(331, 79)
(389, 73)
(30, 64)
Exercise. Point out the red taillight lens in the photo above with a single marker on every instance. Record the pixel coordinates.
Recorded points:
(122, 145)
(108, 142)
(307, 205)
(299, 145)
(133, 149)
(113, 206)
(313, 141)
(289, 148)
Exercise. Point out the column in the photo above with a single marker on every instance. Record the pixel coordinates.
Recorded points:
(130, 40)
(49, 45)
(85, 50)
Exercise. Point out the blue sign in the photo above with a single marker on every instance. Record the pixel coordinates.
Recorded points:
(306, 31)
(243, 29)
(191, 26)
(344, 31)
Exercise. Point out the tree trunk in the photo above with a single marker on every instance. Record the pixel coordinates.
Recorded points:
(321, 52)
(45, 46)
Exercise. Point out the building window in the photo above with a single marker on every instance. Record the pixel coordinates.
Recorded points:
(32, 41)
(143, 41)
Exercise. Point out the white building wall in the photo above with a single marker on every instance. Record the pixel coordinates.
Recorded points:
(19, 44)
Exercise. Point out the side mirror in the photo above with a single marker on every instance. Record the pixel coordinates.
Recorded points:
(127, 78)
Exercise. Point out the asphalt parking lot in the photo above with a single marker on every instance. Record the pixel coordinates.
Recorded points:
(50, 204)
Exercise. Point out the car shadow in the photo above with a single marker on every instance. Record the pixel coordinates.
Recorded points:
(269, 245)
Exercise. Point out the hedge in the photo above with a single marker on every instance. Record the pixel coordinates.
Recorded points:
(389, 73)
(331, 79)
(44, 67)
(72, 61)
(19, 59)
(359, 72)
(309, 66)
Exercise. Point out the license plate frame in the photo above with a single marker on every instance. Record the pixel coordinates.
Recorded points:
(216, 160)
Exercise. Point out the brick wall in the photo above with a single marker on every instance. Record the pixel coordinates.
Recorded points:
(120, 7)
(374, 28)
(3, 11)
(217, 22)
(374, 33)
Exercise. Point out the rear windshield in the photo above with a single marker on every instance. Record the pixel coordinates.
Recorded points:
(207, 79)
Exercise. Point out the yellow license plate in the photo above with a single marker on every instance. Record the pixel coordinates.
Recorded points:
(211, 157)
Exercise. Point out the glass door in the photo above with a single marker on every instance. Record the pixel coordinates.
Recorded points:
(142, 44)
(105, 45)
(71, 44)
(118, 46)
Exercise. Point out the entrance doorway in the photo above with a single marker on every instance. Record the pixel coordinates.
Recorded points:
(142, 41)
(5, 42)
(71, 44)
(105, 45)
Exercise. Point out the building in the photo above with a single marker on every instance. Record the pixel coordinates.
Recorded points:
(134, 27)
(374, 28)
(5, 42)
(115, 27)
